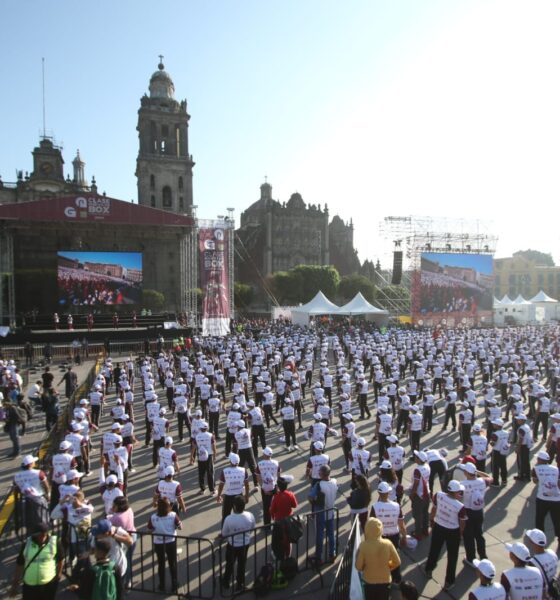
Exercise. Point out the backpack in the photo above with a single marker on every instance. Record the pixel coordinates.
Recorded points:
(105, 582)
(319, 501)
(21, 415)
(289, 567)
(294, 529)
(263, 582)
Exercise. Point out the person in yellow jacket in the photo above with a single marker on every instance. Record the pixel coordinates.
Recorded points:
(376, 559)
(39, 565)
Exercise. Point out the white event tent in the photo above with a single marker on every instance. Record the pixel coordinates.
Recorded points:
(360, 306)
(319, 305)
(546, 308)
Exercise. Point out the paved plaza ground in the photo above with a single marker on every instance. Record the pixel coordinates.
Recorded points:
(509, 510)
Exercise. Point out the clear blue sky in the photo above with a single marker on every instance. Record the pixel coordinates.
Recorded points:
(402, 107)
(479, 262)
(129, 260)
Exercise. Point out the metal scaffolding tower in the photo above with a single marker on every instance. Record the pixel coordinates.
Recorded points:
(7, 288)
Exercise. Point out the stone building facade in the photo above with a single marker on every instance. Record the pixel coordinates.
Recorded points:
(164, 167)
(516, 275)
(276, 236)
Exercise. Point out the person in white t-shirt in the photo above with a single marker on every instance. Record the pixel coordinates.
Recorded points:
(522, 581)
(546, 560)
(237, 530)
(487, 590)
(164, 524)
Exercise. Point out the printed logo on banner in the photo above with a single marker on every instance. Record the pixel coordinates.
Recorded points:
(216, 311)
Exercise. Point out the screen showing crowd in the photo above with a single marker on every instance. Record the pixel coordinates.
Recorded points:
(99, 278)
(456, 283)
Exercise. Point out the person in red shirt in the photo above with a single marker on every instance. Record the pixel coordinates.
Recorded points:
(284, 501)
(281, 507)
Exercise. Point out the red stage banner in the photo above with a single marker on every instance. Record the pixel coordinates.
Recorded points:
(214, 281)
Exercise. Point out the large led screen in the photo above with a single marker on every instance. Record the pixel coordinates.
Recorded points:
(455, 287)
(99, 278)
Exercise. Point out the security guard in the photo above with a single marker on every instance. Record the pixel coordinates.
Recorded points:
(39, 565)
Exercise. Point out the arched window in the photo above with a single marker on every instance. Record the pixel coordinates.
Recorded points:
(152, 182)
(167, 198)
(180, 183)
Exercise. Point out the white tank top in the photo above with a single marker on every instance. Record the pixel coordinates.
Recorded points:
(61, 465)
(415, 422)
(168, 489)
(268, 470)
(29, 482)
(473, 497)
(396, 456)
(447, 513)
(547, 488)
(204, 443)
(495, 591)
(388, 513)
(243, 438)
(234, 480)
(364, 455)
(526, 583)
(317, 461)
(479, 446)
(318, 431)
(385, 424)
(256, 417)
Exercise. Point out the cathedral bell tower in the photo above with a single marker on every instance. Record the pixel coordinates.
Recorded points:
(164, 165)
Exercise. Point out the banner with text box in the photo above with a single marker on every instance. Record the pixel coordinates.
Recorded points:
(214, 281)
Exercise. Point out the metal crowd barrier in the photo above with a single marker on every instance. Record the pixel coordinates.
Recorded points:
(340, 587)
(260, 553)
(200, 561)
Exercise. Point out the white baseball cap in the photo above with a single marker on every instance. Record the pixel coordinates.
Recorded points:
(73, 474)
(543, 455)
(393, 439)
(65, 445)
(486, 567)
(468, 468)
(536, 536)
(421, 455)
(29, 459)
(318, 445)
(386, 464)
(384, 488)
(168, 439)
(169, 470)
(317, 416)
(233, 458)
(497, 422)
(477, 427)
(455, 486)
(520, 550)
(361, 441)
(267, 451)
(111, 479)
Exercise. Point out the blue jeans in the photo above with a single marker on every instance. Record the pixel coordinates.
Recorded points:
(322, 524)
(129, 554)
(13, 433)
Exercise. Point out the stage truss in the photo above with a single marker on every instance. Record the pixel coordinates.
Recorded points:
(416, 234)
(7, 288)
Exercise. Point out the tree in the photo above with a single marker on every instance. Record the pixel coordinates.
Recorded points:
(317, 278)
(242, 295)
(301, 283)
(350, 285)
(286, 287)
(153, 299)
(539, 258)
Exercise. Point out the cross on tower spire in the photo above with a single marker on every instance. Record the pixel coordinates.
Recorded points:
(160, 66)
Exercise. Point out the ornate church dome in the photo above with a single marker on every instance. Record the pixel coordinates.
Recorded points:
(161, 84)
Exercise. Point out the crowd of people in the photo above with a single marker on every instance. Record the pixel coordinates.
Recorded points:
(258, 400)
(86, 288)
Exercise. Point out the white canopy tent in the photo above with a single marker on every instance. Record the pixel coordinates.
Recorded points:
(360, 306)
(545, 307)
(319, 305)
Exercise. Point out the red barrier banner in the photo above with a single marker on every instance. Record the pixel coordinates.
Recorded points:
(214, 281)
